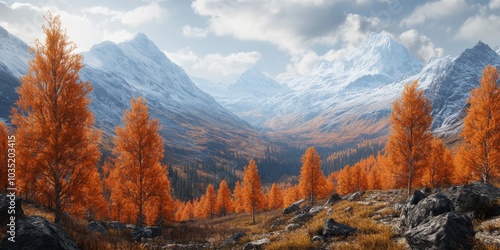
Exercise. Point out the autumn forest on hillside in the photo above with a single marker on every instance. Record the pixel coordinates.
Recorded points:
(60, 166)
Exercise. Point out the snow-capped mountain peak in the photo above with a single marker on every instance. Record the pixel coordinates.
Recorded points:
(9, 46)
(254, 82)
(497, 49)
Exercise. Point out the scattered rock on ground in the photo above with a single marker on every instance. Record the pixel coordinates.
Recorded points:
(318, 238)
(429, 207)
(258, 244)
(416, 197)
(11, 201)
(331, 228)
(333, 198)
(40, 234)
(141, 232)
(356, 196)
(233, 239)
(476, 199)
(292, 227)
(116, 225)
(301, 218)
(315, 210)
(155, 231)
(348, 210)
(452, 230)
(290, 209)
(97, 226)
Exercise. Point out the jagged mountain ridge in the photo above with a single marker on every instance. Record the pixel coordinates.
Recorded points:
(194, 125)
(350, 98)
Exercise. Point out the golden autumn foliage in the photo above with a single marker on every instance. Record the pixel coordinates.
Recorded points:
(480, 154)
(3, 157)
(345, 181)
(409, 141)
(253, 199)
(290, 195)
(224, 203)
(274, 198)
(57, 144)
(238, 197)
(140, 178)
(211, 198)
(440, 169)
(312, 183)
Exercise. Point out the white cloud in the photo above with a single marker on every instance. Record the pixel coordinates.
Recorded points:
(189, 31)
(435, 10)
(227, 65)
(420, 45)
(494, 4)
(265, 20)
(138, 16)
(480, 27)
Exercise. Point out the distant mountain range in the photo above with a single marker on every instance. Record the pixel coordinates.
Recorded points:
(349, 99)
(195, 126)
(344, 100)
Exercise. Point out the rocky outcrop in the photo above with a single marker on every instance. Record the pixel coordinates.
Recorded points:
(478, 200)
(452, 230)
(10, 205)
(416, 197)
(290, 209)
(428, 207)
(333, 198)
(145, 232)
(97, 226)
(116, 225)
(331, 228)
(292, 227)
(301, 218)
(233, 239)
(356, 196)
(258, 244)
(315, 210)
(40, 234)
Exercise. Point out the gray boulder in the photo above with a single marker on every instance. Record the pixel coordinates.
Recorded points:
(356, 196)
(452, 230)
(315, 210)
(331, 228)
(431, 206)
(318, 238)
(155, 231)
(416, 197)
(233, 239)
(333, 198)
(258, 244)
(40, 234)
(12, 204)
(97, 226)
(477, 199)
(292, 227)
(301, 218)
(141, 232)
(116, 225)
(290, 209)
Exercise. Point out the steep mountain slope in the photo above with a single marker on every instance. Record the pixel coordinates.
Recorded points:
(13, 61)
(194, 125)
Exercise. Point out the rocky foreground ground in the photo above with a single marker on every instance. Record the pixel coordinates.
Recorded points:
(462, 217)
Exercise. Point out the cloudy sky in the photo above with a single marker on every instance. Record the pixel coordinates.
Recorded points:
(219, 39)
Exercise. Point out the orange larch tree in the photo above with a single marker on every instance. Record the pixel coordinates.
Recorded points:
(253, 199)
(440, 169)
(312, 183)
(333, 180)
(224, 204)
(141, 177)
(57, 143)
(210, 202)
(187, 212)
(345, 181)
(481, 131)
(238, 197)
(3, 157)
(274, 197)
(291, 195)
(410, 138)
